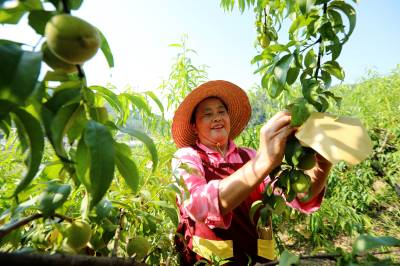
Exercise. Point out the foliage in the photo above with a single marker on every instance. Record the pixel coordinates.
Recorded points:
(359, 199)
(91, 165)
(316, 35)
(72, 151)
(70, 137)
(317, 31)
(184, 76)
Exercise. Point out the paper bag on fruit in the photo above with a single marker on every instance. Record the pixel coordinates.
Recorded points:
(336, 138)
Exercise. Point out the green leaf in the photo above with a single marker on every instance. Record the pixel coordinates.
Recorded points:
(56, 76)
(333, 68)
(52, 170)
(172, 214)
(293, 151)
(138, 101)
(311, 59)
(292, 75)
(103, 208)
(105, 48)
(5, 125)
(274, 88)
(77, 124)
(242, 5)
(300, 112)
(170, 211)
(298, 23)
(264, 215)
(74, 4)
(349, 11)
(19, 71)
(326, 77)
(255, 206)
(156, 100)
(110, 97)
(336, 20)
(126, 167)
(36, 142)
(147, 141)
(12, 15)
(38, 19)
(281, 68)
(60, 125)
(337, 99)
(63, 97)
(305, 6)
(277, 48)
(324, 103)
(54, 196)
(290, 6)
(284, 179)
(100, 143)
(99, 114)
(366, 242)
(327, 31)
(308, 89)
(6, 107)
(265, 80)
(82, 163)
(335, 48)
(22, 137)
(319, 2)
(288, 259)
(32, 4)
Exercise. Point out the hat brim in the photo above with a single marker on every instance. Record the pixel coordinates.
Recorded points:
(234, 97)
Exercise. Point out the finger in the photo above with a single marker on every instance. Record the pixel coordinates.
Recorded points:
(277, 116)
(283, 121)
(285, 131)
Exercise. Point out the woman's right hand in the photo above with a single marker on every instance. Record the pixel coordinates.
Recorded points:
(273, 136)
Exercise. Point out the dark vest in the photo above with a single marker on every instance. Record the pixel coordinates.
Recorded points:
(242, 231)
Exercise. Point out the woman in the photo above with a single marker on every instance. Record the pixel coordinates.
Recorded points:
(222, 179)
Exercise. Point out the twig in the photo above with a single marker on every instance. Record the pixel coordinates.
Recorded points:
(385, 140)
(66, 7)
(319, 59)
(308, 46)
(118, 233)
(81, 73)
(63, 217)
(7, 230)
(320, 50)
(265, 21)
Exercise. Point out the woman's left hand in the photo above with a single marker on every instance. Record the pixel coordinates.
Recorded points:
(323, 163)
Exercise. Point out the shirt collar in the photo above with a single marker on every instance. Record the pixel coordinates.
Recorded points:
(231, 148)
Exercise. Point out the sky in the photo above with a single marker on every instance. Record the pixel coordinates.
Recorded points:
(140, 32)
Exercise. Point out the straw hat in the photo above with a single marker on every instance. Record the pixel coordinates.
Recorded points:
(235, 98)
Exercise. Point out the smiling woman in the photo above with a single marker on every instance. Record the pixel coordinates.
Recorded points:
(224, 180)
(211, 124)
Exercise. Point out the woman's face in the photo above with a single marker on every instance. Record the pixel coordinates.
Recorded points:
(212, 123)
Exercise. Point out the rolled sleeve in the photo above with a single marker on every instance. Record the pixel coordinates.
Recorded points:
(306, 207)
(309, 206)
(203, 202)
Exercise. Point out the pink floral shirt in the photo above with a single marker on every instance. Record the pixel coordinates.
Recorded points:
(202, 204)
